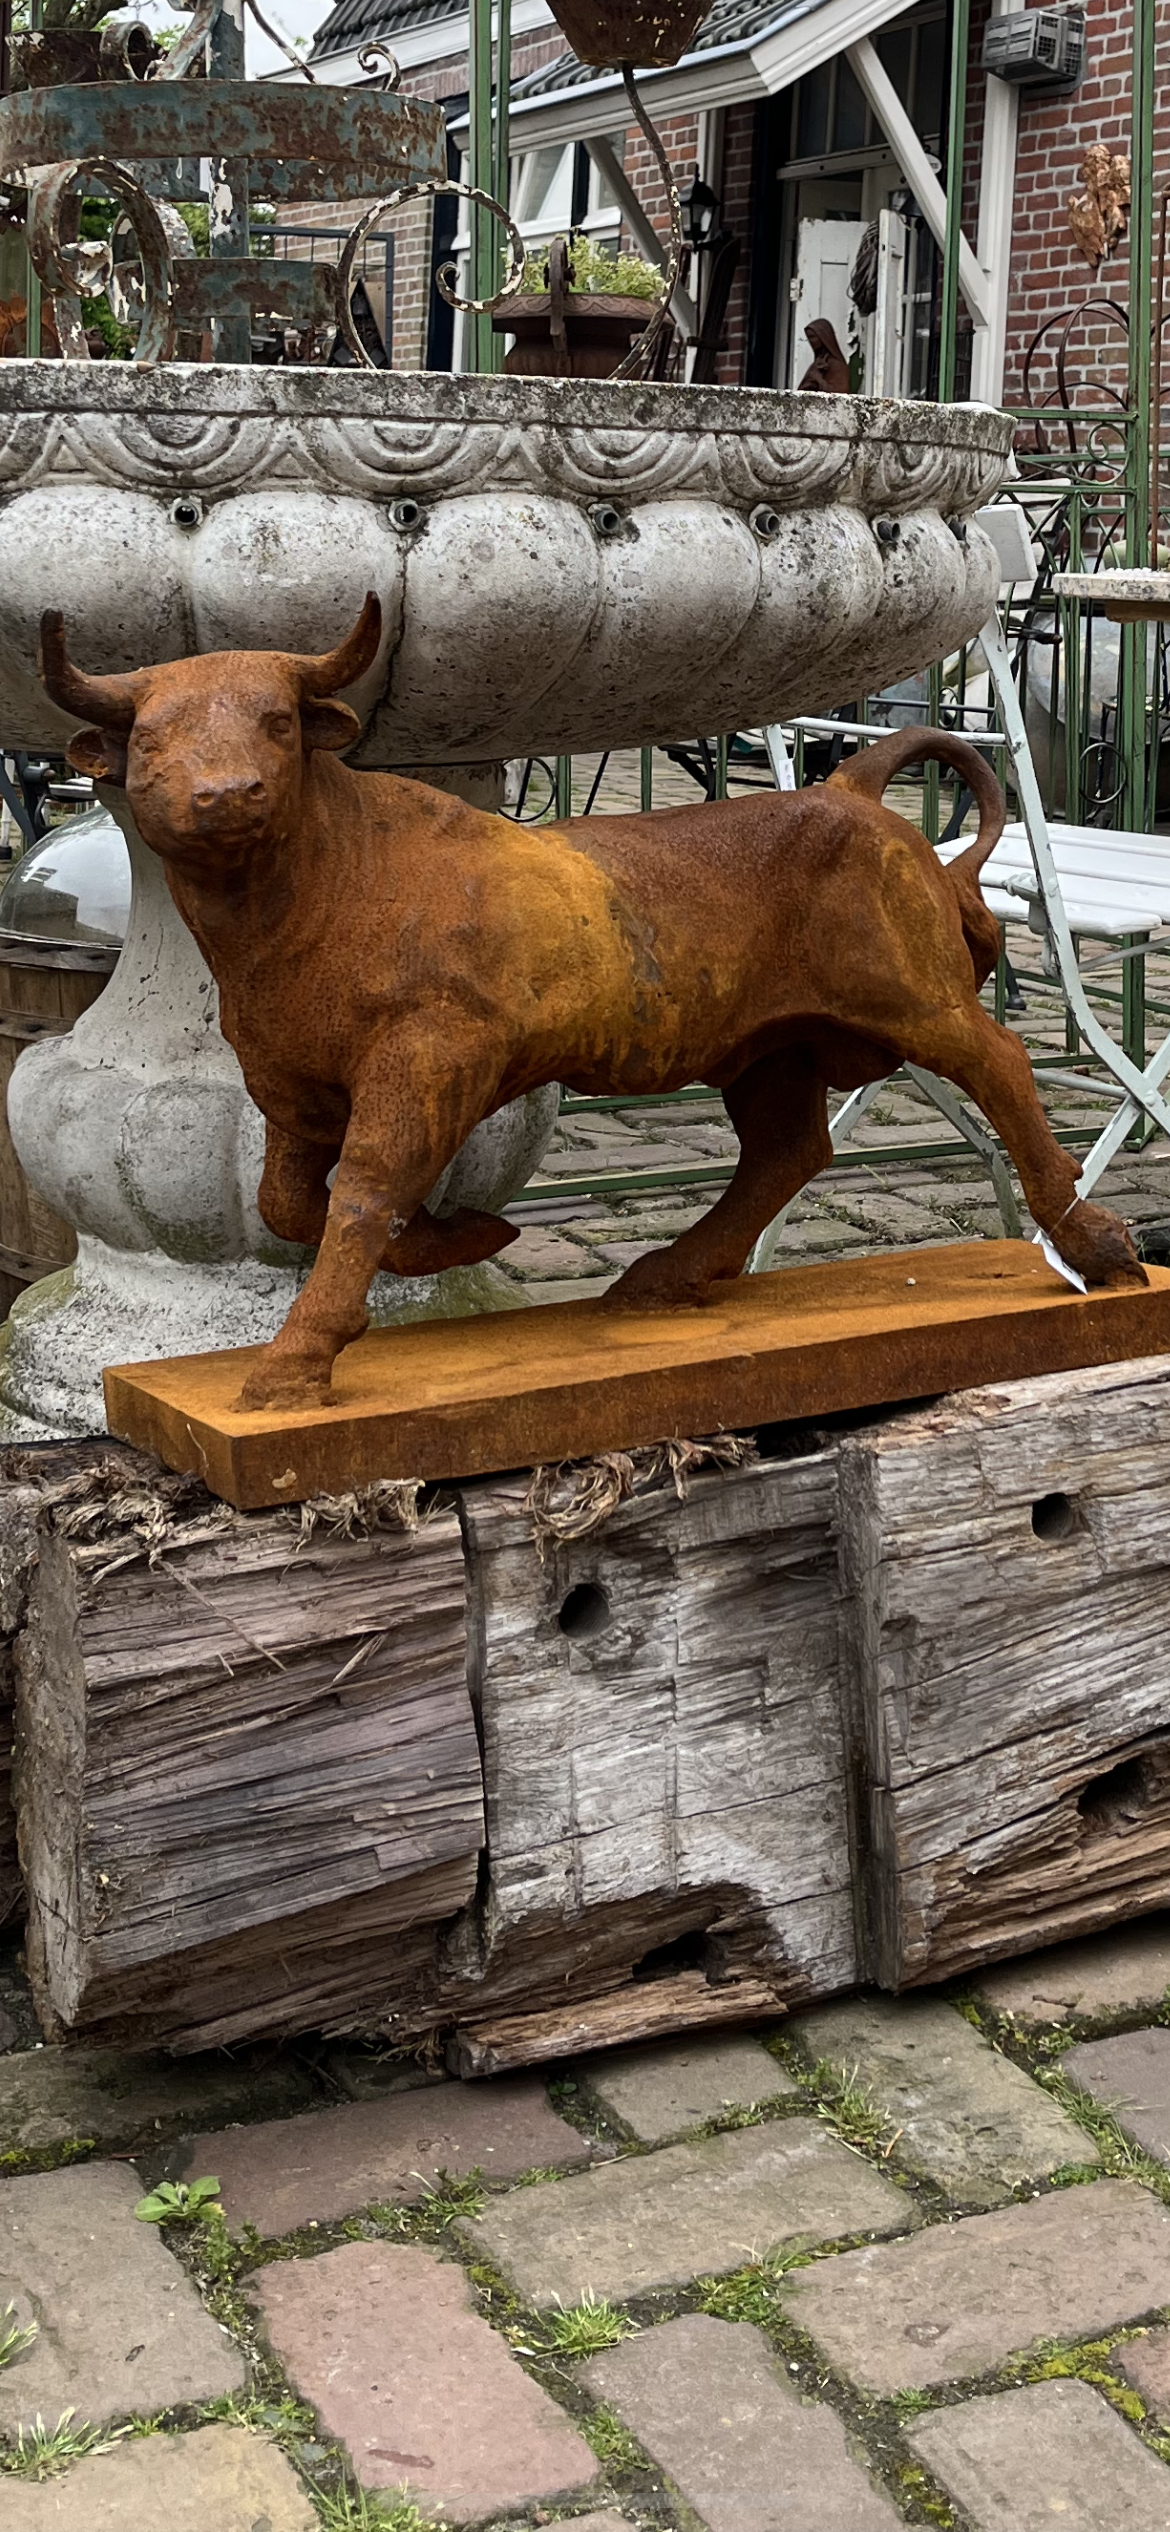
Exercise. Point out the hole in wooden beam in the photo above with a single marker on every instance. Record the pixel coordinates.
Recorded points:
(1054, 1518)
(1106, 1802)
(669, 1960)
(584, 1611)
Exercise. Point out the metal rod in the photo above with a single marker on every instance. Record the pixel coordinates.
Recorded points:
(483, 348)
(1131, 683)
(32, 310)
(229, 226)
(500, 184)
(1156, 386)
(956, 137)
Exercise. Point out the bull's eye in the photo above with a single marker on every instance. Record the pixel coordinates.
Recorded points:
(279, 724)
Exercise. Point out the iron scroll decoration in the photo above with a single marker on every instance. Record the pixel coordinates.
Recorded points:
(72, 268)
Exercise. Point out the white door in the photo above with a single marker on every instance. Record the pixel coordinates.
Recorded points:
(826, 251)
(886, 348)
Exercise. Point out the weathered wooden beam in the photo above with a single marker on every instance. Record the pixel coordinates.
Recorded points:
(664, 1774)
(643, 2010)
(1006, 1558)
(247, 1772)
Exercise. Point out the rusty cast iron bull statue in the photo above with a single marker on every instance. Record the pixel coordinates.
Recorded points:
(393, 966)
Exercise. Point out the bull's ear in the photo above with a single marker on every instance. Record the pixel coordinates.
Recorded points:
(101, 753)
(329, 725)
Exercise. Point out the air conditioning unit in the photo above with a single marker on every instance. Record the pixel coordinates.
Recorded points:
(1037, 48)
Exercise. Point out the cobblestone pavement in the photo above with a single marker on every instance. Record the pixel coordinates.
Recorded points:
(885, 2262)
(866, 1202)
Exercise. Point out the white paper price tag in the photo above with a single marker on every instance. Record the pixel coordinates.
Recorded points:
(1054, 1258)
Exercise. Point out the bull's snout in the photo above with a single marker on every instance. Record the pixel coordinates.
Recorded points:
(238, 791)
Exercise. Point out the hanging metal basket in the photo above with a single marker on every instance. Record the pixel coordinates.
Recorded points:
(649, 34)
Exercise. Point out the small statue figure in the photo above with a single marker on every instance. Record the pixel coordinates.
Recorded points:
(1098, 217)
(394, 966)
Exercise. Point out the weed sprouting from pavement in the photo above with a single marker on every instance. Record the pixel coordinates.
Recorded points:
(180, 2202)
(583, 2329)
(354, 2510)
(41, 2452)
(610, 2440)
(452, 2198)
(847, 2108)
(15, 2337)
(282, 2417)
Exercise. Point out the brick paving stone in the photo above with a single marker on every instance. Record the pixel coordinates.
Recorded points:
(120, 2329)
(1022, 2461)
(1128, 1972)
(658, 2091)
(1129, 2075)
(546, 1252)
(325, 2164)
(51, 2095)
(381, 2338)
(661, 2219)
(708, 2401)
(220, 2479)
(963, 2296)
(964, 2115)
(1145, 2363)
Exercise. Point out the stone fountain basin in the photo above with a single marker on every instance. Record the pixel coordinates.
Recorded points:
(563, 564)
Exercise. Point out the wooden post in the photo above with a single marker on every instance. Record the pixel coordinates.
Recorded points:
(1006, 1569)
(247, 1775)
(664, 1775)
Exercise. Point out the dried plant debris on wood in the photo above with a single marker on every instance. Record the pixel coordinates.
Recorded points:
(117, 1513)
(391, 1503)
(570, 1499)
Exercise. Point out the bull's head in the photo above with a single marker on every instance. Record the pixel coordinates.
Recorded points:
(211, 750)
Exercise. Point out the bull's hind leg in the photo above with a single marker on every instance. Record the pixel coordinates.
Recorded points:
(969, 1048)
(779, 1112)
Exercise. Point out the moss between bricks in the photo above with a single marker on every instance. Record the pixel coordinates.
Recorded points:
(220, 2269)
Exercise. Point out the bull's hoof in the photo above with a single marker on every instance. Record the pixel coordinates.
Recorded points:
(286, 1380)
(1097, 1243)
(653, 1283)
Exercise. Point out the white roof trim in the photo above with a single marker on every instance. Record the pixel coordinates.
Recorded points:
(417, 45)
(726, 74)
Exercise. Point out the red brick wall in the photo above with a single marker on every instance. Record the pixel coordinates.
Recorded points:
(1048, 273)
(738, 144)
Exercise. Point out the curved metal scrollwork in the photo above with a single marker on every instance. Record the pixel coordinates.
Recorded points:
(445, 277)
(368, 59)
(73, 268)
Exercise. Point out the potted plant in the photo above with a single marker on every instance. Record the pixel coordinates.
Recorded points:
(577, 311)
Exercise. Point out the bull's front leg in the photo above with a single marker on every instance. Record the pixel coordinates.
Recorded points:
(407, 1120)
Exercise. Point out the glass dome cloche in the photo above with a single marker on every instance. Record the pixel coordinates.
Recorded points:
(72, 885)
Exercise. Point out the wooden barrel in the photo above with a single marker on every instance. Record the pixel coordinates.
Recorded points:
(45, 986)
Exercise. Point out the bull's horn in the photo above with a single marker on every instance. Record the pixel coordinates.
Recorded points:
(110, 701)
(358, 651)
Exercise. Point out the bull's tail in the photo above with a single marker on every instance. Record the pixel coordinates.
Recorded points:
(873, 767)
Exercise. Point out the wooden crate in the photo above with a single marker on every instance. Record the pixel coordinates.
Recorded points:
(247, 1778)
(1006, 1557)
(663, 1765)
(44, 987)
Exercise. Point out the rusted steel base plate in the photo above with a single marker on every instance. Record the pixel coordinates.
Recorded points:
(457, 1397)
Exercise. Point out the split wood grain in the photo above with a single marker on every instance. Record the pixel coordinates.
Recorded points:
(247, 1779)
(646, 2009)
(664, 1772)
(1006, 1559)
